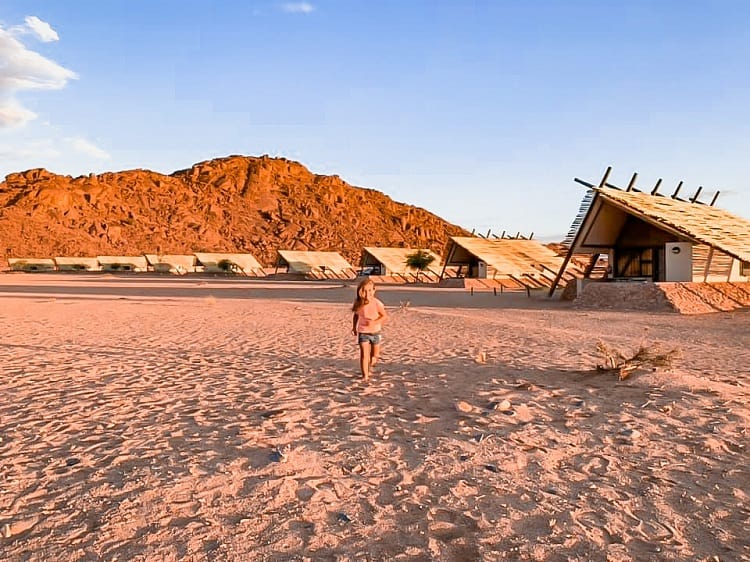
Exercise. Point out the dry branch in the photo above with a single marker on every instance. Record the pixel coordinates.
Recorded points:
(644, 358)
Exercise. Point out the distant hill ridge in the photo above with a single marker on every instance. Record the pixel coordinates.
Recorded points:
(232, 204)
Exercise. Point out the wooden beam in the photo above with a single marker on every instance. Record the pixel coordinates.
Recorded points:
(587, 184)
(631, 185)
(708, 263)
(603, 182)
(656, 187)
(590, 267)
(716, 196)
(451, 251)
(694, 198)
(676, 191)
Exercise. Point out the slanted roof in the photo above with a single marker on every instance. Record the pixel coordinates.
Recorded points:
(34, 264)
(138, 262)
(172, 263)
(507, 256)
(394, 259)
(184, 261)
(246, 262)
(700, 223)
(306, 262)
(90, 264)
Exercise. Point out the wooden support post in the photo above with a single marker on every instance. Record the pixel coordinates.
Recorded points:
(471, 290)
(656, 187)
(494, 290)
(694, 198)
(531, 236)
(488, 232)
(716, 196)
(528, 291)
(708, 263)
(502, 235)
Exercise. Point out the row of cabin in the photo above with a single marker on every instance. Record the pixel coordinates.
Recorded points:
(526, 261)
(620, 235)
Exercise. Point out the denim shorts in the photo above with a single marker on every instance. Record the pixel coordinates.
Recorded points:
(374, 339)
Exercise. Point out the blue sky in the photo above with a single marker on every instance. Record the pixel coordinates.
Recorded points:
(482, 112)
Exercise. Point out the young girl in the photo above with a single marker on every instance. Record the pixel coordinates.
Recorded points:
(369, 315)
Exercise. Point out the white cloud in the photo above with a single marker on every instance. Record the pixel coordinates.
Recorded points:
(13, 115)
(88, 148)
(23, 69)
(39, 150)
(41, 29)
(297, 7)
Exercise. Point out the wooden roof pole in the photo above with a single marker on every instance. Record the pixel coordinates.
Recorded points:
(449, 257)
(656, 187)
(694, 198)
(631, 185)
(676, 191)
(716, 196)
(573, 244)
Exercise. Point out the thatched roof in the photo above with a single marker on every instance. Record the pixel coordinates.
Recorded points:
(90, 264)
(245, 262)
(31, 264)
(394, 259)
(138, 262)
(179, 262)
(306, 262)
(704, 224)
(507, 256)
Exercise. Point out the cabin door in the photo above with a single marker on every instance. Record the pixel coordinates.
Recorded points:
(641, 263)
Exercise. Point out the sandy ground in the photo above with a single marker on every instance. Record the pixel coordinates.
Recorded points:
(213, 420)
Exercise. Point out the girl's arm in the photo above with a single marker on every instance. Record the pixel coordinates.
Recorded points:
(355, 319)
(382, 314)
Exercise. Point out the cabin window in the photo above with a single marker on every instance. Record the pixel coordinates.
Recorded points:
(745, 268)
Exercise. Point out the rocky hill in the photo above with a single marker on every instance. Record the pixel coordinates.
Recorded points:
(233, 204)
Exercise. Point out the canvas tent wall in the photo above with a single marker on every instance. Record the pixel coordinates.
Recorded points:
(393, 262)
(652, 237)
(123, 263)
(31, 264)
(77, 264)
(179, 264)
(245, 264)
(518, 261)
(314, 264)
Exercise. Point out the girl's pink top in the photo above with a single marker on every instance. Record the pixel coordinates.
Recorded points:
(366, 315)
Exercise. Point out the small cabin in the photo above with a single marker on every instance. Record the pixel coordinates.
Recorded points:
(237, 263)
(31, 265)
(314, 264)
(123, 263)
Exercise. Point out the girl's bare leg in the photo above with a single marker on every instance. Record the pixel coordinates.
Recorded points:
(364, 359)
(374, 355)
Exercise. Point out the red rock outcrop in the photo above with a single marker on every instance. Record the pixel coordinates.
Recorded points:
(232, 204)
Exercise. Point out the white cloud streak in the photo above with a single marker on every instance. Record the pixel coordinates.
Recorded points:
(297, 7)
(23, 69)
(88, 148)
(41, 29)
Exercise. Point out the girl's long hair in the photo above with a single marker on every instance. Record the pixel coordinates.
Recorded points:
(361, 299)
